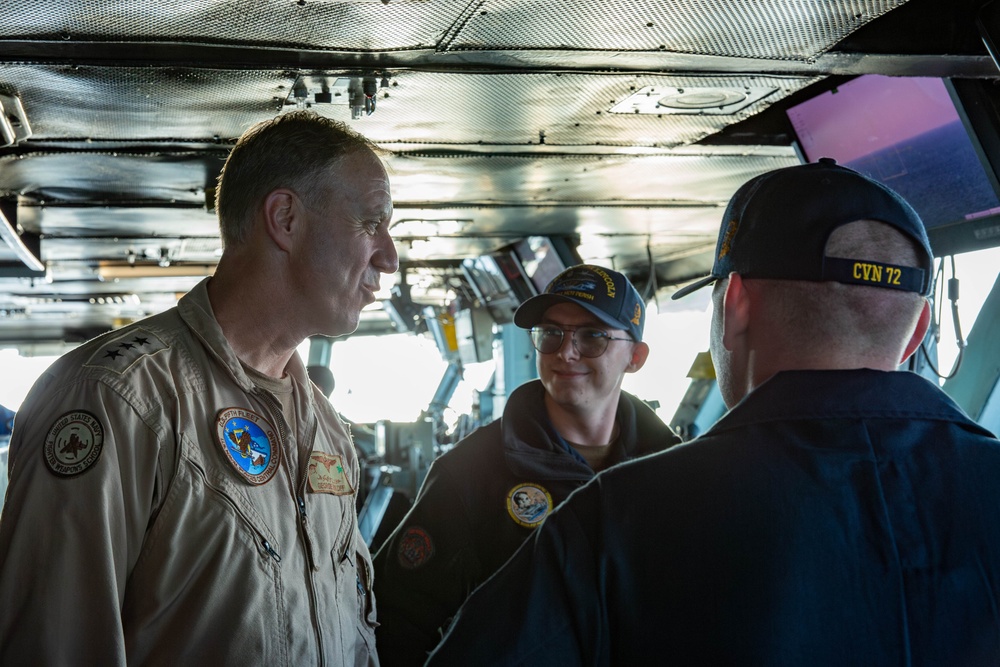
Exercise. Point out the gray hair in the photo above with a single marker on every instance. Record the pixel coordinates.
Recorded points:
(295, 150)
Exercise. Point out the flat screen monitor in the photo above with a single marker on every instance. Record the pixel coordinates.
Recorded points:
(510, 265)
(909, 133)
(491, 286)
(540, 261)
(505, 278)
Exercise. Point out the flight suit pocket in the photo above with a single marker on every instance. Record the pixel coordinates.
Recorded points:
(354, 582)
(208, 543)
(225, 495)
(366, 596)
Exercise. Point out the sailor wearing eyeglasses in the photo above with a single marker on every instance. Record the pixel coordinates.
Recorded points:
(483, 498)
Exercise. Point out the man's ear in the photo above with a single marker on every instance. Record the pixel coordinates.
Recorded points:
(640, 351)
(919, 332)
(735, 311)
(281, 211)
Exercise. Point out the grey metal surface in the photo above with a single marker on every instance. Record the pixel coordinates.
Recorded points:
(739, 28)
(501, 118)
(795, 29)
(321, 24)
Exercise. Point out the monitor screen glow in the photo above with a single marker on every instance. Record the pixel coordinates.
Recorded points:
(907, 133)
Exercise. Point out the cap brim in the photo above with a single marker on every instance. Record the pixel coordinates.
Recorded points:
(693, 287)
(531, 311)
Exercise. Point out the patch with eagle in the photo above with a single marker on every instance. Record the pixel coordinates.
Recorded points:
(73, 443)
(249, 442)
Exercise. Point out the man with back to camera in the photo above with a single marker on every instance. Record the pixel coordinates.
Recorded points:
(842, 513)
(180, 493)
(483, 498)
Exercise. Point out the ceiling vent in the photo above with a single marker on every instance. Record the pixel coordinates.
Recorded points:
(697, 101)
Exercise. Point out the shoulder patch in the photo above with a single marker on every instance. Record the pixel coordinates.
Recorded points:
(528, 504)
(415, 548)
(74, 443)
(248, 443)
(120, 353)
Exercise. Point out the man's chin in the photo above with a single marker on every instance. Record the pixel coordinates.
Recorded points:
(565, 384)
(341, 327)
(562, 394)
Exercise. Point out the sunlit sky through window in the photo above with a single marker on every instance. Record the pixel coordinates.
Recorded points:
(395, 377)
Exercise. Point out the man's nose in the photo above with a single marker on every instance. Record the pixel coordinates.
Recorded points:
(386, 259)
(567, 349)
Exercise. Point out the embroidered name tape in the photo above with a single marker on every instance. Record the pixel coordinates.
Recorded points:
(327, 474)
(877, 274)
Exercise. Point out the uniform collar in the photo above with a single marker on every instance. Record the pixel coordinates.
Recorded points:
(533, 446)
(859, 393)
(195, 309)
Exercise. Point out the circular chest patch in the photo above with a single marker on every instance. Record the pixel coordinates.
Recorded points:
(74, 443)
(248, 441)
(528, 504)
(415, 548)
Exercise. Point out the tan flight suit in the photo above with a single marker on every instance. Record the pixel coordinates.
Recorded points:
(131, 533)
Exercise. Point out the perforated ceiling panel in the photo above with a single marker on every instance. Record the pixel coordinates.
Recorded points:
(369, 25)
(554, 108)
(623, 123)
(796, 29)
(665, 178)
(193, 104)
(103, 103)
(94, 176)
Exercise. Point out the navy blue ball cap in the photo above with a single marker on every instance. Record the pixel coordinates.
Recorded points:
(777, 226)
(605, 293)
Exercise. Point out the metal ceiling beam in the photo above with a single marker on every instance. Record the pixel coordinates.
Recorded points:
(131, 54)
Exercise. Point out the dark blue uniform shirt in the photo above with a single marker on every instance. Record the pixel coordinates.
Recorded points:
(831, 518)
(465, 523)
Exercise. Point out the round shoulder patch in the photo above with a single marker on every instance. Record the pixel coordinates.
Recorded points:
(248, 441)
(528, 504)
(74, 443)
(415, 548)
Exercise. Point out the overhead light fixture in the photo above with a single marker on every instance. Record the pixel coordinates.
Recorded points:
(14, 126)
(115, 300)
(117, 271)
(360, 93)
(25, 246)
(423, 229)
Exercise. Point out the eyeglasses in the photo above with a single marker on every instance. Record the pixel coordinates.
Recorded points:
(588, 341)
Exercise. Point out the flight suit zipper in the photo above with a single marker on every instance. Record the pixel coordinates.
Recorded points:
(264, 544)
(283, 442)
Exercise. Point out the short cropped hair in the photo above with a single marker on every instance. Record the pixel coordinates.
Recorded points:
(857, 318)
(294, 150)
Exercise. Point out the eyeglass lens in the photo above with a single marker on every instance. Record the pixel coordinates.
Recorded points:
(589, 342)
